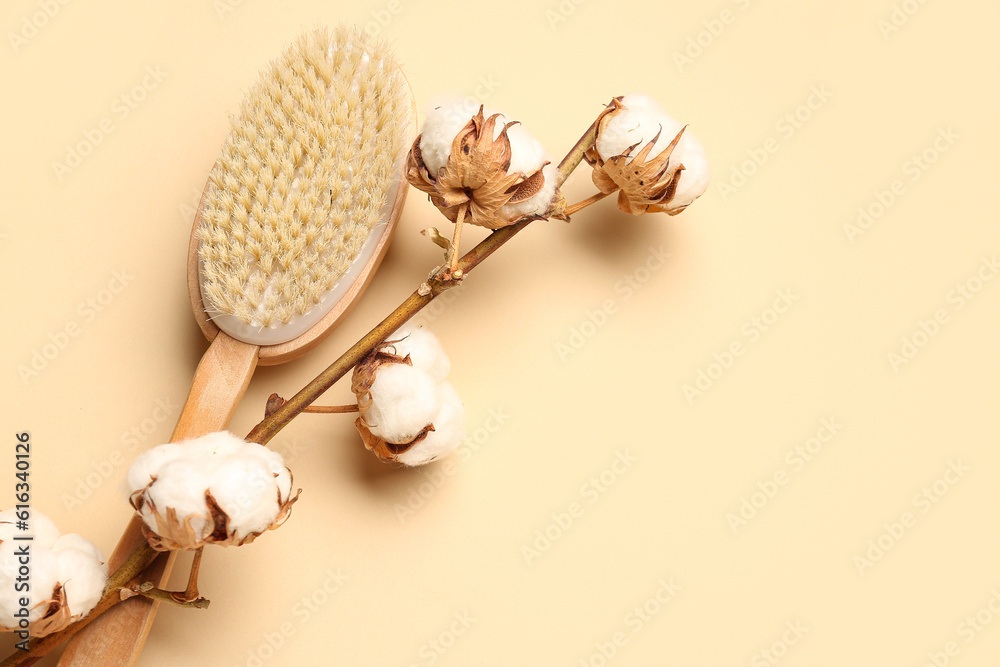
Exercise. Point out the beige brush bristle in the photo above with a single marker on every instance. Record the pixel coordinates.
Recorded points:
(302, 178)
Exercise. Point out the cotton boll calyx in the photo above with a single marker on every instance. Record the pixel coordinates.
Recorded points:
(657, 164)
(216, 489)
(67, 575)
(483, 164)
(409, 413)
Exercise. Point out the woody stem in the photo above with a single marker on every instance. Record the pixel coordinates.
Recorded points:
(147, 590)
(332, 409)
(582, 204)
(458, 236)
(191, 593)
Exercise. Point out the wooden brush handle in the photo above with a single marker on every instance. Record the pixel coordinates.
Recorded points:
(115, 638)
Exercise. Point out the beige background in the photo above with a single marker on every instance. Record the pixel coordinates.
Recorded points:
(451, 582)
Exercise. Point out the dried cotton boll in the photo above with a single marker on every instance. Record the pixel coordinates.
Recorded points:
(448, 433)
(216, 489)
(639, 122)
(625, 132)
(446, 119)
(68, 575)
(409, 413)
(424, 350)
(470, 159)
(404, 400)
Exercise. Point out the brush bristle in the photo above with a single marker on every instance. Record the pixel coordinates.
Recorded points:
(302, 178)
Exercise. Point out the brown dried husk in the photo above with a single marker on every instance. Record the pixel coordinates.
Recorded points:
(646, 186)
(361, 383)
(55, 618)
(382, 448)
(475, 175)
(175, 534)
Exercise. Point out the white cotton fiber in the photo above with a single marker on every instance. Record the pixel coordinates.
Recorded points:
(404, 401)
(424, 349)
(448, 433)
(40, 527)
(526, 153)
(82, 575)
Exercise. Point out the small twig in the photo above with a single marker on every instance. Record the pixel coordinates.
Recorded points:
(332, 409)
(584, 203)
(274, 402)
(191, 593)
(147, 590)
(456, 242)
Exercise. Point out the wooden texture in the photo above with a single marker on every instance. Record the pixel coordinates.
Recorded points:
(116, 637)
